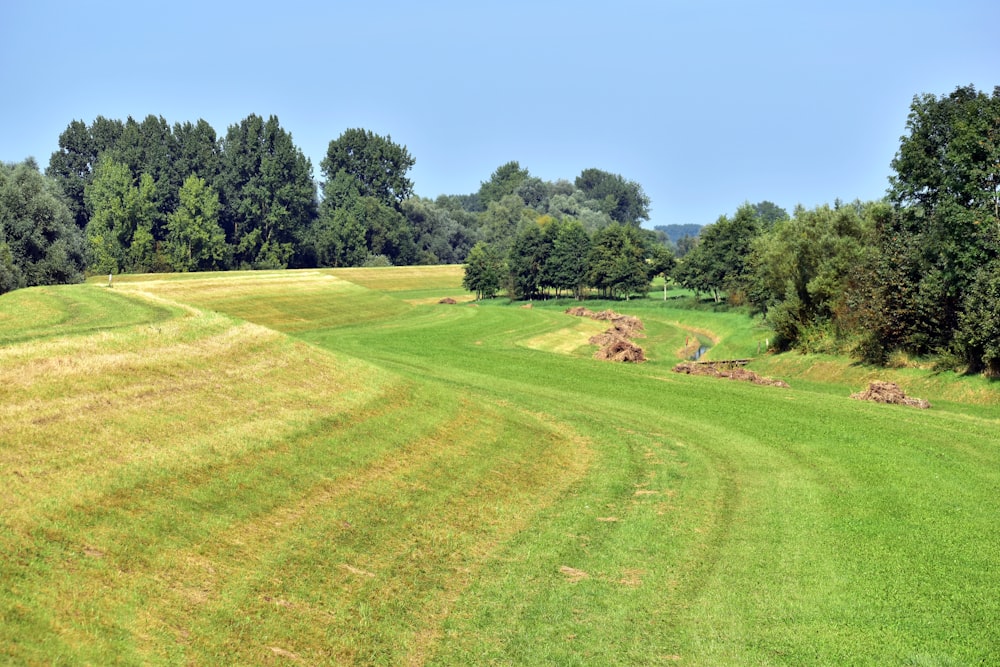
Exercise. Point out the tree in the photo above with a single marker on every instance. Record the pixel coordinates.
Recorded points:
(526, 261)
(617, 264)
(198, 151)
(376, 164)
(662, 263)
(267, 193)
(503, 182)
(623, 200)
(148, 147)
(73, 165)
(120, 229)
(567, 265)
(441, 235)
(978, 335)
(483, 271)
(806, 269)
(769, 213)
(39, 242)
(719, 261)
(386, 231)
(946, 223)
(195, 241)
(337, 239)
(502, 220)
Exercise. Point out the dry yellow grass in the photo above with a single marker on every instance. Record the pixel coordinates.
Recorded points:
(570, 339)
(75, 410)
(201, 489)
(404, 278)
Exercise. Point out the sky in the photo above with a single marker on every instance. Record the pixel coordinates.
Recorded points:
(707, 105)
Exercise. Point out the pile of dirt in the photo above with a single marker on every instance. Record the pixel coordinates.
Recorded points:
(734, 373)
(448, 300)
(620, 349)
(889, 392)
(616, 342)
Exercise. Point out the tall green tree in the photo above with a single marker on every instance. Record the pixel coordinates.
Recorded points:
(567, 265)
(719, 262)
(120, 229)
(503, 182)
(946, 224)
(195, 240)
(377, 165)
(624, 200)
(978, 335)
(267, 193)
(149, 147)
(805, 270)
(527, 259)
(40, 243)
(197, 152)
(483, 271)
(617, 262)
(73, 165)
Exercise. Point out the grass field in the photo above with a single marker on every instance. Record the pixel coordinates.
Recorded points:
(329, 467)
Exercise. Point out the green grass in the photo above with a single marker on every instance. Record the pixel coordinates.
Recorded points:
(331, 468)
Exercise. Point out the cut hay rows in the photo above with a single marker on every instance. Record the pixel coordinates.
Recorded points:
(168, 478)
(292, 468)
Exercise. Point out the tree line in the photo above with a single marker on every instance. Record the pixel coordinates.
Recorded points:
(917, 273)
(142, 196)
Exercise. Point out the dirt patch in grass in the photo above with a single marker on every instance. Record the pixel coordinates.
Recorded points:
(616, 342)
(572, 574)
(448, 300)
(736, 373)
(879, 391)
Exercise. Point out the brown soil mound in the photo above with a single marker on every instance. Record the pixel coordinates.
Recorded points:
(448, 300)
(615, 342)
(621, 349)
(889, 392)
(737, 373)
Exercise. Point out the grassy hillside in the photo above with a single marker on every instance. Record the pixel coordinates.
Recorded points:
(328, 467)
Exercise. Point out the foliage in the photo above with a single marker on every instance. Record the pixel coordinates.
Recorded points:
(267, 192)
(946, 225)
(441, 235)
(720, 260)
(120, 229)
(483, 271)
(617, 264)
(195, 240)
(623, 200)
(73, 165)
(527, 259)
(978, 336)
(503, 182)
(567, 265)
(804, 268)
(39, 242)
(376, 164)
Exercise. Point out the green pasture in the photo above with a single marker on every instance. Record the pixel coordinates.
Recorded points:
(331, 467)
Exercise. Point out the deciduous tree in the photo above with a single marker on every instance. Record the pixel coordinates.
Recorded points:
(195, 240)
(39, 242)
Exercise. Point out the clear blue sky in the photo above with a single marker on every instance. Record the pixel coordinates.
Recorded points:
(706, 104)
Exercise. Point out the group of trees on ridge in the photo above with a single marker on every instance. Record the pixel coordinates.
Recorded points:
(918, 271)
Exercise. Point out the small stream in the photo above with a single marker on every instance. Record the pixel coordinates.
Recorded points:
(701, 350)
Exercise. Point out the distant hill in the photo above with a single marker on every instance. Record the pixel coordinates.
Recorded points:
(676, 232)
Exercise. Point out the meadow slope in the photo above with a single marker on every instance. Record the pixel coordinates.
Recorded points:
(328, 467)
